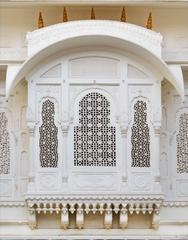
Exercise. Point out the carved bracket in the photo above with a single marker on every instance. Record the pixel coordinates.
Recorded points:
(65, 207)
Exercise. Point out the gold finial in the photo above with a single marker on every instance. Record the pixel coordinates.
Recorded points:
(92, 14)
(65, 17)
(40, 21)
(123, 15)
(149, 24)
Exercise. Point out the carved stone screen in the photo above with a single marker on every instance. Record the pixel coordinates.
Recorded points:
(4, 145)
(140, 138)
(48, 141)
(94, 138)
(182, 144)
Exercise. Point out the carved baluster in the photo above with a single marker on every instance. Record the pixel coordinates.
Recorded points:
(94, 208)
(150, 208)
(116, 208)
(87, 208)
(131, 208)
(57, 207)
(72, 208)
(101, 208)
(45, 207)
(144, 209)
(137, 209)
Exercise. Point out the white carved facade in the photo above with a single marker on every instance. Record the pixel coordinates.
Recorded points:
(93, 129)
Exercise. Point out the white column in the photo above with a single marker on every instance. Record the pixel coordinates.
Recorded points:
(123, 129)
(157, 187)
(64, 128)
(32, 143)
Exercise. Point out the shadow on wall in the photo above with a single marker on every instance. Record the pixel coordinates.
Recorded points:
(93, 221)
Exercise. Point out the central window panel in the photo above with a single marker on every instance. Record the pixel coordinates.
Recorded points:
(94, 138)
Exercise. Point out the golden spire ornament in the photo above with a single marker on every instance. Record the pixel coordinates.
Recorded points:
(123, 15)
(149, 24)
(40, 21)
(65, 17)
(92, 14)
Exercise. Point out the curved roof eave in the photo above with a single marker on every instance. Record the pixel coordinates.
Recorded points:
(173, 76)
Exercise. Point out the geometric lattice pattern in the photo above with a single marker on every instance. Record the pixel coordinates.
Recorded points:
(140, 138)
(48, 136)
(182, 144)
(94, 138)
(4, 145)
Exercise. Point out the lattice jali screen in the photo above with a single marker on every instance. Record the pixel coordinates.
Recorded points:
(48, 141)
(140, 138)
(182, 144)
(4, 145)
(94, 138)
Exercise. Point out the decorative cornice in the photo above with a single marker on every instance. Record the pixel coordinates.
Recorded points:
(93, 203)
(175, 204)
(56, 206)
(42, 38)
(108, 198)
(12, 204)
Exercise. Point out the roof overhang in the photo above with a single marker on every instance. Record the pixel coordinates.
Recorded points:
(141, 42)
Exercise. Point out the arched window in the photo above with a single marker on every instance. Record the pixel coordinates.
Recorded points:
(94, 138)
(4, 145)
(182, 144)
(48, 141)
(140, 138)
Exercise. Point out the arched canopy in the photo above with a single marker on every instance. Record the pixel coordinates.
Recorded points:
(137, 40)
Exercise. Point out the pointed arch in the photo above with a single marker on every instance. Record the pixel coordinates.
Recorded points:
(94, 138)
(140, 137)
(4, 145)
(48, 140)
(182, 142)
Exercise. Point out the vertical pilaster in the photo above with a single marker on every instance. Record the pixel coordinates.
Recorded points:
(64, 128)
(157, 188)
(123, 128)
(31, 153)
